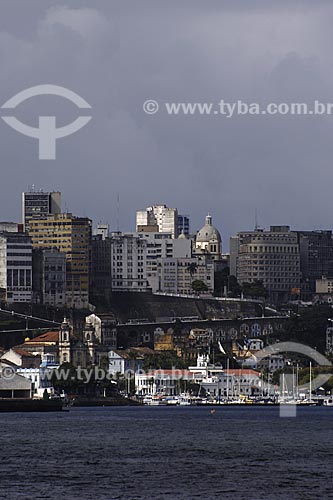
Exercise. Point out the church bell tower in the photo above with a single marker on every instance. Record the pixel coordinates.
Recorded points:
(64, 343)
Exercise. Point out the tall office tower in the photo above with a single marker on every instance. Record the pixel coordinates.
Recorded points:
(100, 277)
(128, 262)
(16, 267)
(49, 276)
(272, 257)
(316, 248)
(166, 219)
(72, 236)
(183, 225)
(38, 204)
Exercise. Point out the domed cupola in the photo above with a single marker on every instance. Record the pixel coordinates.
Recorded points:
(208, 239)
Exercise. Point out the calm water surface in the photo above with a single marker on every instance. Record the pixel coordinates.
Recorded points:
(167, 454)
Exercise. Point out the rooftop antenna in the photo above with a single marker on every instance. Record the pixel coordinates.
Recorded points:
(187, 216)
(255, 220)
(118, 212)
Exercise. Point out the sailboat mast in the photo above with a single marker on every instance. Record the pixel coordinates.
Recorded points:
(310, 381)
(228, 379)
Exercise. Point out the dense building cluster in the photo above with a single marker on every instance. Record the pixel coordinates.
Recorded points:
(55, 258)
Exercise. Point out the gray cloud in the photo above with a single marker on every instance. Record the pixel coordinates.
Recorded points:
(117, 54)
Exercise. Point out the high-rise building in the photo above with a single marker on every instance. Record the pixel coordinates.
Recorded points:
(316, 249)
(49, 276)
(16, 267)
(272, 257)
(128, 263)
(162, 246)
(176, 275)
(72, 236)
(183, 225)
(159, 215)
(100, 279)
(38, 204)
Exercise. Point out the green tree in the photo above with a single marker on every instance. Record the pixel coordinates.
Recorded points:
(165, 360)
(308, 327)
(192, 268)
(199, 286)
(255, 289)
(234, 288)
(221, 279)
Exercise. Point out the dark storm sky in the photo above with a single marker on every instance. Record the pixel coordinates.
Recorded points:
(117, 54)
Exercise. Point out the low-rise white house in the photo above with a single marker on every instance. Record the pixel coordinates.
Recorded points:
(234, 383)
(272, 363)
(21, 357)
(13, 385)
(117, 363)
(29, 366)
(123, 360)
(32, 374)
(162, 382)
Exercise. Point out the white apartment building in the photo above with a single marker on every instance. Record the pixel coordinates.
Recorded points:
(160, 247)
(136, 257)
(128, 262)
(16, 266)
(159, 215)
(176, 275)
(272, 257)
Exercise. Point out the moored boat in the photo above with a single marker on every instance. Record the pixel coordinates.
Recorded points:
(31, 405)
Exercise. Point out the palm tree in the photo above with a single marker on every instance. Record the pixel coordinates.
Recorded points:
(192, 268)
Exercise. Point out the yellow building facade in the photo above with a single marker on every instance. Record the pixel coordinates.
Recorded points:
(72, 236)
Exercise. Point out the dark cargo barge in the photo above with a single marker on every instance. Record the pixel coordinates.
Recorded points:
(30, 405)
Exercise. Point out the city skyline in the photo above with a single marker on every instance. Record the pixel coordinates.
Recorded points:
(116, 225)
